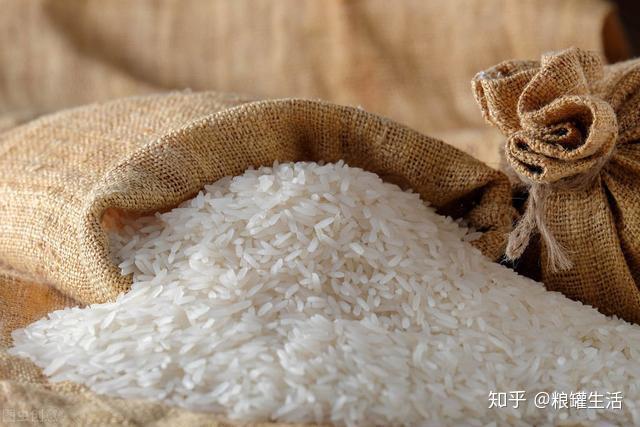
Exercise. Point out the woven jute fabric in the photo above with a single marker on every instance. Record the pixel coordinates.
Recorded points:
(410, 61)
(66, 178)
(572, 128)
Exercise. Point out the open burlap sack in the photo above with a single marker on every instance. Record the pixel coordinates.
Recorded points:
(573, 129)
(64, 177)
(61, 174)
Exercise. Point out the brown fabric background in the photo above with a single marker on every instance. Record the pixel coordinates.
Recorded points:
(409, 60)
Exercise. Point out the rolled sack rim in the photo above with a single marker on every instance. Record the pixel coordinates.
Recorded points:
(102, 273)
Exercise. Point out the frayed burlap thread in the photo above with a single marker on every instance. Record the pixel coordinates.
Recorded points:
(572, 133)
(534, 219)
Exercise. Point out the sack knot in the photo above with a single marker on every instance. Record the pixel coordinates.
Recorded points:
(560, 133)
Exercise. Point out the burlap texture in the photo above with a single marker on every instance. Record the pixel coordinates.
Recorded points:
(410, 60)
(63, 177)
(573, 126)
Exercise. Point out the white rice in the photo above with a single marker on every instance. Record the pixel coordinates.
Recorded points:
(319, 293)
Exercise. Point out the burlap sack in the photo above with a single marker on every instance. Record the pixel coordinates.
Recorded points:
(572, 128)
(61, 174)
(64, 177)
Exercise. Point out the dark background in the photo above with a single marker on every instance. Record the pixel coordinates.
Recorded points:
(629, 12)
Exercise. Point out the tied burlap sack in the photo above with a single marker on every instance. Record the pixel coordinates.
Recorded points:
(572, 128)
(64, 177)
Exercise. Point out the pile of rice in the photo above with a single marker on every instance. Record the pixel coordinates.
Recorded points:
(318, 293)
